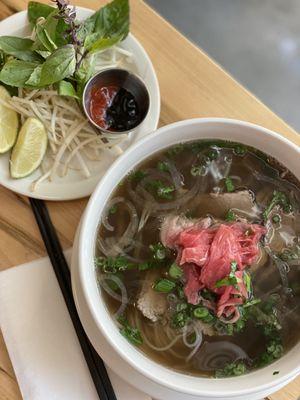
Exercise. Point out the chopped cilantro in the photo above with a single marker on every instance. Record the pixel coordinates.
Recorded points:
(113, 265)
(160, 189)
(163, 166)
(133, 335)
(231, 279)
(179, 319)
(275, 372)
(174, 150)
(230, 216)
(231, 369)
(137, 175)
(181, 306)
(274, 350)
(278, 199)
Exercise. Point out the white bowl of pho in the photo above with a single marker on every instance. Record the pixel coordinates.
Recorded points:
(188, 262)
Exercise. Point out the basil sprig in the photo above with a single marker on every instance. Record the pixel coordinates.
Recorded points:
(63, 48)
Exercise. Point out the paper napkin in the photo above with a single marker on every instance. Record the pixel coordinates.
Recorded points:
(41, 340)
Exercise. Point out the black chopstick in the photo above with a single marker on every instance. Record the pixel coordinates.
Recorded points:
(94, 362)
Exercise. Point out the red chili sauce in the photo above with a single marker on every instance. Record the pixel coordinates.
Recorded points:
(114, 108)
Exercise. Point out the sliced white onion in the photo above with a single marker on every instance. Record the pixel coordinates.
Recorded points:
(123, 298)
(111, 247)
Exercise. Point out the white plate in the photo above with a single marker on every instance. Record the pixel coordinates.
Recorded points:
(75, 186)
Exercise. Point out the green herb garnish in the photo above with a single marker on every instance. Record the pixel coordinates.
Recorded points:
(160, 189)
(175, 271)
(159, 251)
(229, 185)
(164, 286)
(240, 150)
(61, 52)
(174, 150)
(232, 369)
(251, 303)
(275, 372)
(113, 209)
(180, 319)
(231, 279)
(201, 312)
(278, 199)
(290, 254)
(133, 335)
(213, 154)
(163, 166)
(137, 175)
(274, 350)
(113, 265)
(276, 219)
(197, 170)
(230, 216)
(247, 280)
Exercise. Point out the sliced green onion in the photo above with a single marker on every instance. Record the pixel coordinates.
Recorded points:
(276, 219)
(164, 286)
(229, 185)
(175, 271)
(113, 209)
(201, 312)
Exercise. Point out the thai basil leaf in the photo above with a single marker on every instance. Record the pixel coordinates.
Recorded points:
(19, 48)
(35, 77)
(59, 65)
(43, 53)
(66, 89)
(111, 20)
(17, 72)
(56, 28)
(92, 44)
(46, 33)
(44, 38)
(36, 10)
(84, 73)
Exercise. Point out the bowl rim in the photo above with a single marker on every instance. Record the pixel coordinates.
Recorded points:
(132, 357)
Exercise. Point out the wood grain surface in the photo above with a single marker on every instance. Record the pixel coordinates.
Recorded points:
(192, 85)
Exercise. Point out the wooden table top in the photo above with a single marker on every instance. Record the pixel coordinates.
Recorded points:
(192, 85)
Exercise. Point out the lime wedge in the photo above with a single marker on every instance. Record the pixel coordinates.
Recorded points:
(8, 123)
(29, 149)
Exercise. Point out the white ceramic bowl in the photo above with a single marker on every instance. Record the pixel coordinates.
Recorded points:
(125, 359)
